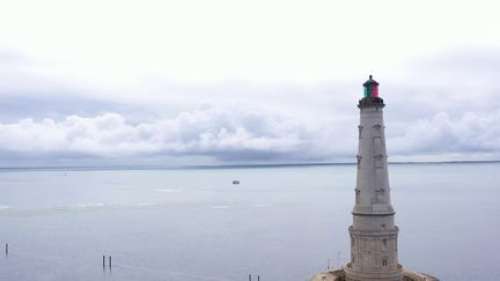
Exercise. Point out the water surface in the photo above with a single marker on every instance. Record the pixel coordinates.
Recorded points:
(280, 223)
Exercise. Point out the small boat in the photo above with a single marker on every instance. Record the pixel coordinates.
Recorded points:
(236, 182)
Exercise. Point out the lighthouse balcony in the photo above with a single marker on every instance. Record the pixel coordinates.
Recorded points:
(340, 275)
(371, 102)
(373, 210)
(374, 233)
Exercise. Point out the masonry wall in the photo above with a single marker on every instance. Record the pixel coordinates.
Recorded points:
(373, 234)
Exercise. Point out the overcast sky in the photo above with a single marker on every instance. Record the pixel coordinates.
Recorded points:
(223, 82)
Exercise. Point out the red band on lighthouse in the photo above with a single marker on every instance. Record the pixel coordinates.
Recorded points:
(374, 90)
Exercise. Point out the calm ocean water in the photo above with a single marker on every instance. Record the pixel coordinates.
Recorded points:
(281, 223)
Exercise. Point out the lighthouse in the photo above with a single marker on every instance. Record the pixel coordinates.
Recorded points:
(373, 233)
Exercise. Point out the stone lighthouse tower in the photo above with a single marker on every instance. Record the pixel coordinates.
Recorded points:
(374, 236)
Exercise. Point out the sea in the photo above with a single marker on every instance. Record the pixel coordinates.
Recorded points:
(280, 223)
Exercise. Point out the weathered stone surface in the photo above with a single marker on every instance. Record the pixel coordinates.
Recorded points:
(335, 275)
(416, 276)
(374, 236)
(339, 275)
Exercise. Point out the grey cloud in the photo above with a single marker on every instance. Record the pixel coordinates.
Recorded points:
(237, 135)
(57, 107)
(11, 57)
(468, 61)
(227, 135)
(468, 134)
(445, 107)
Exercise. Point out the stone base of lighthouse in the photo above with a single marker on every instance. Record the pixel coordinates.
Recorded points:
(351, 275)
(340, 275)
(373, 233)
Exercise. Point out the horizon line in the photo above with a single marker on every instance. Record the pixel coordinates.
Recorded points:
(225, 166)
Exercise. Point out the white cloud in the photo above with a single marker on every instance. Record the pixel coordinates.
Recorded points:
(118, 43)
(468, 134)
(236, 135)
(243, 135)
(127, 79)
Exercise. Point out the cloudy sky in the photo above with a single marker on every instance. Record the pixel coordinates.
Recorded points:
(230, 82)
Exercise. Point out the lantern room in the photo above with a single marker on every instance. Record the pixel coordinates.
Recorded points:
(370, 87)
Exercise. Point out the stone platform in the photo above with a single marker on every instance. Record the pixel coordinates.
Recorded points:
(339, 275)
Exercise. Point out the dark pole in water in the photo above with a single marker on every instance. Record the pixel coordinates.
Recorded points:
(103, 261)
(249, 277)
(258, 277)
(7, 249)
(109, 261)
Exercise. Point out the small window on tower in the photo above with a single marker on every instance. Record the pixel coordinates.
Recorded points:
(379, 161)
(378, 145)
(360, 128)
(384, 262)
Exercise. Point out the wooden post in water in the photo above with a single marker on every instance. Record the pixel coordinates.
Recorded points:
(258, 277)
(103, 261)
(109, 261)
(7, 249)
(249, 277)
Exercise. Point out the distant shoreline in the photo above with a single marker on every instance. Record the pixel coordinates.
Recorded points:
(225, 166)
